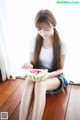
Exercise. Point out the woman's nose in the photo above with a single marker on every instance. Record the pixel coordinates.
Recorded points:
(42, 32)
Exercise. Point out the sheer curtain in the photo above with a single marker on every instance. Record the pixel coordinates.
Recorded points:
(4, 62)
(20, 30)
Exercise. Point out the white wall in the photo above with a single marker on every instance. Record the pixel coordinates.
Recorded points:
(20, 16)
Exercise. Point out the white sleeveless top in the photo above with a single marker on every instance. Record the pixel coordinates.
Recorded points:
(46, 54)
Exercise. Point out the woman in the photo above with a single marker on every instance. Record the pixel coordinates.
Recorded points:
(48, 52)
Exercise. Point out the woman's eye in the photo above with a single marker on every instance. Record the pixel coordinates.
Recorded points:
(47, 30)
(38, 30)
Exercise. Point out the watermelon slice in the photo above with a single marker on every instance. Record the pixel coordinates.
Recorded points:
(36, 74)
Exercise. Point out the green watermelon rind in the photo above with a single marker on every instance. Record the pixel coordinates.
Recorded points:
(35, 78)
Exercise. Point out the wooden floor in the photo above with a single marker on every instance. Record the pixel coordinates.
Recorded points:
(63, 106)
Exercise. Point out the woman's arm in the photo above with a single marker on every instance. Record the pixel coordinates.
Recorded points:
(55, 73)
(58, 72)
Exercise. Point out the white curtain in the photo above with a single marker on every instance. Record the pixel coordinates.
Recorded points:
(20, 30)
(4, 62)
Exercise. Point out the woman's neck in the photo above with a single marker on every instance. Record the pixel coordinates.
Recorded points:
(48, 43)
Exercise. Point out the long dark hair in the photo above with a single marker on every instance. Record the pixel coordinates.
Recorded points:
(46, 16)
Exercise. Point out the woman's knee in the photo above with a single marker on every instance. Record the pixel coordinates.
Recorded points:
(28, 82)
(40, 86)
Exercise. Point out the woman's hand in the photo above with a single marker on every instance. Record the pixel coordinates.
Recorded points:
(47, 76)
(27, 66)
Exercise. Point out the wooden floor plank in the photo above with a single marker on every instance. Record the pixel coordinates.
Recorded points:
(8, 90)
(73, 110)
(3, 84)
(49, 100)
(15, 115)
(62, 106)
(57, 108)
(12, 102)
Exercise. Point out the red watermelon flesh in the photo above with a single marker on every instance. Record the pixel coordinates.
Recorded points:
(35, 71)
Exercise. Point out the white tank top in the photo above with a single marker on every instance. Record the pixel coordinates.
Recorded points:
(46, 54)
(46, 57)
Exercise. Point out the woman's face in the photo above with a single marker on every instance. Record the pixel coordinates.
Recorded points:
(45, 31)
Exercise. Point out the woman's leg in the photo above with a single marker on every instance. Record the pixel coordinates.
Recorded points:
(40, 96)
(26, 99)
(39, 101)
